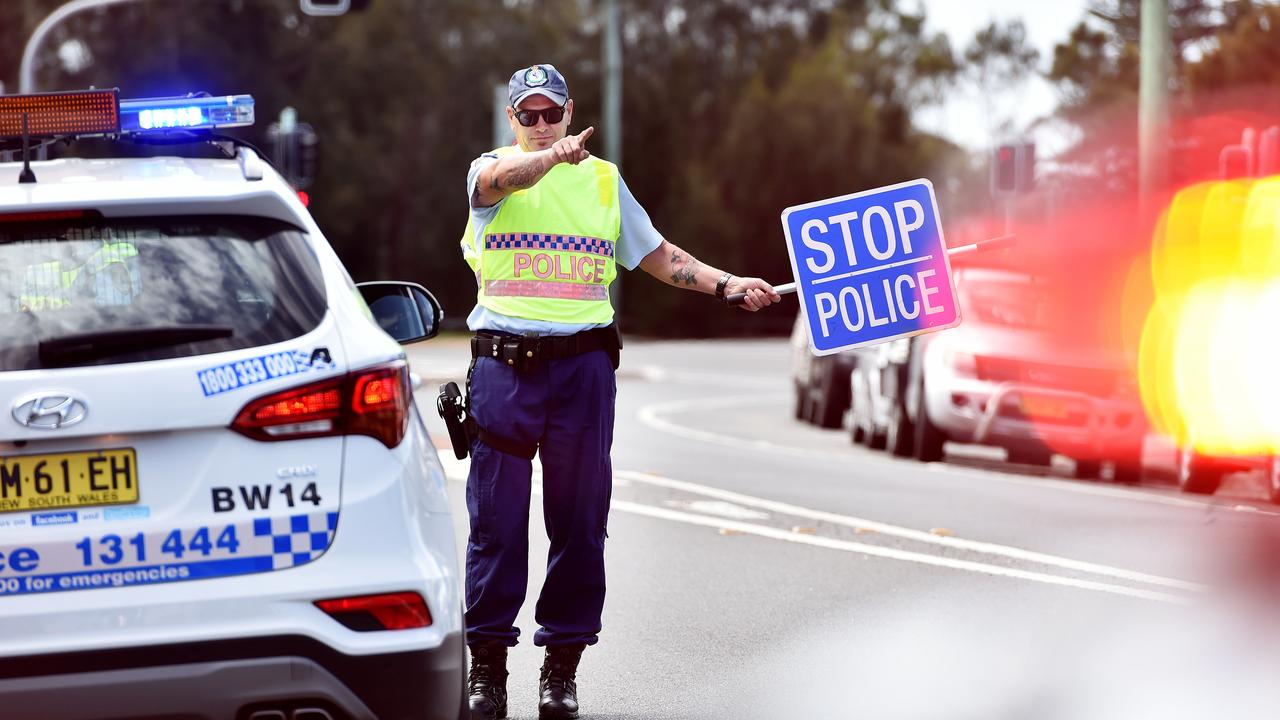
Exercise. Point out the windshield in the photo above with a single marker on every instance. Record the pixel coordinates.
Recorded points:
(165, 288)
(1010, 301)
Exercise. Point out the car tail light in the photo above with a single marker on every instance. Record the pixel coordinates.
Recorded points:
(388, 611)
(372, 401)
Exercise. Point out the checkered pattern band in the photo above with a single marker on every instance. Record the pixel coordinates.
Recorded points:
(297, 539)
(545, 289)
(536, 241)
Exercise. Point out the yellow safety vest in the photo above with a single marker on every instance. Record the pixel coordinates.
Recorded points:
(548, 254)
(47, 284)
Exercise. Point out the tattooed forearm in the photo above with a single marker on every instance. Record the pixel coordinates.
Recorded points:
(684, 269)
(523, 173)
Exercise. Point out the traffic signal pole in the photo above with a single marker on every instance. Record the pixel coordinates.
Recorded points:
(1153, 104)
(612, 124)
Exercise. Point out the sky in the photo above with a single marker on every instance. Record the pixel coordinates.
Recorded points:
(965, 116)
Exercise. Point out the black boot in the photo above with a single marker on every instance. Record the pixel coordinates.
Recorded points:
(558, 690)
(487, 681)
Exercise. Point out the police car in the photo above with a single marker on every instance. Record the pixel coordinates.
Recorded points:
(217, 497)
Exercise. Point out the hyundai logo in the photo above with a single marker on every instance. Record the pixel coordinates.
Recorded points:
(50, 412)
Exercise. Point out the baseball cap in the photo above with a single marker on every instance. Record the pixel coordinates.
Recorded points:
(541, 79)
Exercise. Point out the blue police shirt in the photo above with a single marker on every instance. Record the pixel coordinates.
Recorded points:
(637, 238)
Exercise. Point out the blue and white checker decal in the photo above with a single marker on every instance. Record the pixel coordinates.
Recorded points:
(251, 371)
(101, 558)
(297, 539)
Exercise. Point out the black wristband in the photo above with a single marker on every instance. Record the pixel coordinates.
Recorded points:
(724, 280)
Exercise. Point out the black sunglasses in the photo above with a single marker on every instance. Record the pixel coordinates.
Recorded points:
(529, 118)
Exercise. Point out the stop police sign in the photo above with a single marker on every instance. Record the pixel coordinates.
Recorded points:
(871, 267)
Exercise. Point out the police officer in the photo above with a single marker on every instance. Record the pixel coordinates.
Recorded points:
(549, 224)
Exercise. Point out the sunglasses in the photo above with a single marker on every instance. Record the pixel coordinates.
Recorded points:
(529, 118)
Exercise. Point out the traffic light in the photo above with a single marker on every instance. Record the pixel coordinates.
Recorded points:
(295, 149)
(307, 154)
(1013, 169)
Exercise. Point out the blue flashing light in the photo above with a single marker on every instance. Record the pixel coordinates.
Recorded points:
(185, 113)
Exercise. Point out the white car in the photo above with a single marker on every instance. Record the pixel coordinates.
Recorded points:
(217, 496)
(1003, 379)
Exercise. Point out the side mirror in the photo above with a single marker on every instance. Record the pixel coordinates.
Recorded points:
(407, 311)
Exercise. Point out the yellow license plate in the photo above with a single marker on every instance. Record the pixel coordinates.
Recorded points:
(66, 480)
(1044, 407)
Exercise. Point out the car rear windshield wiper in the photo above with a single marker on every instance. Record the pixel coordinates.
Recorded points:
(69, 350)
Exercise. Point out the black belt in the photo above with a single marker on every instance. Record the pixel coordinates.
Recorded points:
(526, 351)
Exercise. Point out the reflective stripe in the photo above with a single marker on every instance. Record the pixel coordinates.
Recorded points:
(545, 289)
(535, 241)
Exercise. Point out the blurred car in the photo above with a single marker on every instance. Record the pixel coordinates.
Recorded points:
(1202, 473)
(878, 418)
(217, 496)
(1002, 379)
(821, 383)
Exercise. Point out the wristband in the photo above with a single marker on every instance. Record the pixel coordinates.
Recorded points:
(724, 280)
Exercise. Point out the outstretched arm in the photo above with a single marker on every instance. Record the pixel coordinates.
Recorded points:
(678, 268)
(523, 170)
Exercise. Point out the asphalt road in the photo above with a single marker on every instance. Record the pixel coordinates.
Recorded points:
(761, 568)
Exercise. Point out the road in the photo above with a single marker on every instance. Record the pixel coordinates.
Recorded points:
(761, 568)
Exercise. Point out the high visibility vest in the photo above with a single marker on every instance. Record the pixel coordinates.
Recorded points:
(548, 254)
(48, 285)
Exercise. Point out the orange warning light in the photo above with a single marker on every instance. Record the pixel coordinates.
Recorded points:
(85, 112)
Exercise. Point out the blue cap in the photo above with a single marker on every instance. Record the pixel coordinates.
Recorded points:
(541, 79)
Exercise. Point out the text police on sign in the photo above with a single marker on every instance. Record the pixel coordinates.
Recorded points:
(871, 266)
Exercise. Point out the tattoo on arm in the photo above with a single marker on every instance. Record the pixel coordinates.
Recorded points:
(523, 174)
(684, 268)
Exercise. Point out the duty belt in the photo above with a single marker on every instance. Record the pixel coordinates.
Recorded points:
(524, 352)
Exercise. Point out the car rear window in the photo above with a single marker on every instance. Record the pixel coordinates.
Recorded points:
(138, 289)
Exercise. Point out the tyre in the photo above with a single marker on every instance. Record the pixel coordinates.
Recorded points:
(1127, 468)
(1197, 474)
(801, 409)
(832, 394)
(929, 438)
(899, 435)
(857, 429)
(1126, 472)
(1087, 469)
(1039, 457)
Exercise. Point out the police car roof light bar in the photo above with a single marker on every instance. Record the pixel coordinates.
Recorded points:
(185, 113)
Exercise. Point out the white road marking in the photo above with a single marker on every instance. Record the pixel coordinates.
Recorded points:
(976, 546)
(892, 553)
(651, 415)
(457, 471)
(718, 508)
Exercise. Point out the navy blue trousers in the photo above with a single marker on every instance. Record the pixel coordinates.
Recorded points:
(566, 406)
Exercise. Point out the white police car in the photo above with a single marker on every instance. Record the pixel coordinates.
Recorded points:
(217, 498)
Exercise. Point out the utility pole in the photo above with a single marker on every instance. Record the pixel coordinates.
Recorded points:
(612, 120)
(1153, 104)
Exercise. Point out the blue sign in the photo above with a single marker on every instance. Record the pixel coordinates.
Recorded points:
(871, 267)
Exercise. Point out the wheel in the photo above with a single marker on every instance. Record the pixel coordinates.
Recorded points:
(1127, 468)
(875, 440)
(1273, 479)
(898, 437)
(1030, 456)
(828, 407)
(801, 410)
(929, 438)
(1087, 469)
(857, 433)
(1197, 474)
